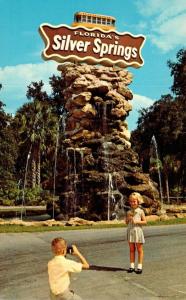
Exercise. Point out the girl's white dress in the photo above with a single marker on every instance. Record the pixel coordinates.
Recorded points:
(135, 232)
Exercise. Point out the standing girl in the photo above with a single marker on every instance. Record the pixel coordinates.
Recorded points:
(135, 219)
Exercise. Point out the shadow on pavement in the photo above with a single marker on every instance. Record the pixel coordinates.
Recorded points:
(102, 268)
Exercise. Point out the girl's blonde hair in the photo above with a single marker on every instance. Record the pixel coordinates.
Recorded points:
(137, 196)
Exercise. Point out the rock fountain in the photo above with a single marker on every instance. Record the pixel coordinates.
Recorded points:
(99, 169)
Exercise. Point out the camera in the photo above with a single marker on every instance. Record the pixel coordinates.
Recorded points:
(69, 250)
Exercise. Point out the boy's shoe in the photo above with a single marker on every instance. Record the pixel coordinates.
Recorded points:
(138, 271)
(130, 270)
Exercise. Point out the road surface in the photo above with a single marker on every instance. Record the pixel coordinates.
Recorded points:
(24, 257)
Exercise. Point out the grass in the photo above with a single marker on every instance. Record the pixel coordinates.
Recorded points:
(169, 222)
(21, 228)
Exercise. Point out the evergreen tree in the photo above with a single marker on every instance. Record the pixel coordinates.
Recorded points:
(166, 120)
(8, 149)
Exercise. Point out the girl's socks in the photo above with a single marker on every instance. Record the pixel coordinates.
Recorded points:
(140, 266)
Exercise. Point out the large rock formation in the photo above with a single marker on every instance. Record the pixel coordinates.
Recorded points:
(99, 169)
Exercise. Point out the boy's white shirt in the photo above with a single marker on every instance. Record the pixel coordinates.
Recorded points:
(59, 269)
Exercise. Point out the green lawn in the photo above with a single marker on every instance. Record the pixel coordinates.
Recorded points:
(21, 228)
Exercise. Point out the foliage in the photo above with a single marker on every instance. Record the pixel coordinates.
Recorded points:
(166, 120)
(12, 194)
(29, 141)
(8, 146)
(9, 193)
(37, 127)
(178, 71)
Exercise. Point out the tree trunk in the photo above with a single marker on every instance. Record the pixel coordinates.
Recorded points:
(167, 189)
(39, 170)
(33, 173)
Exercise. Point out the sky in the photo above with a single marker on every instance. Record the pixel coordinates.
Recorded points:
(162, 22)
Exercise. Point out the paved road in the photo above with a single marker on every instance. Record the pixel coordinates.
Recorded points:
(24, 257)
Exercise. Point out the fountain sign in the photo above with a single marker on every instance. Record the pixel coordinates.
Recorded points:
(94, 46)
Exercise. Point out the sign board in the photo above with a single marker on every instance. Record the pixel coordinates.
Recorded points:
(93, 46)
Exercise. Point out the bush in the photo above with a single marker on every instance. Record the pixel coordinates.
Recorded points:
(12, 195)
(8, 202)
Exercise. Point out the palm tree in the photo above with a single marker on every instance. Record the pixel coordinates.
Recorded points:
(37, 127)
